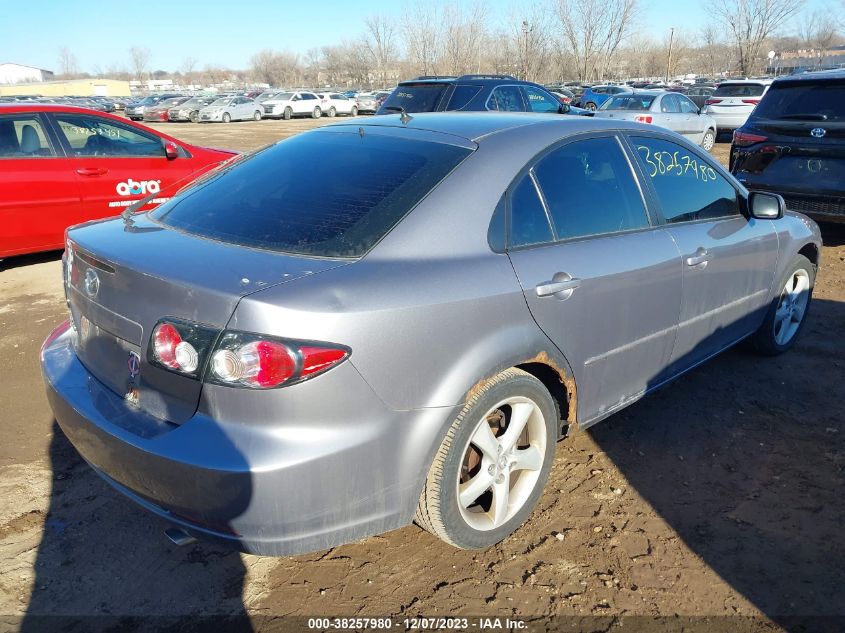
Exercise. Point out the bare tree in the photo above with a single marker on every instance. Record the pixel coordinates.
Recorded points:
(380, 42)
(275, 68)
(139, 59)
(67, 62)
(188, 66)
(594, 30)
(749, 23)
(462, 36)
(421, 26)
(531, 42)
(817, 32)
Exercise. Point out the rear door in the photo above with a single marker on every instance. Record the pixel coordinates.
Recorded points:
(115, 164)
(39, 195)
(602, 282)
(728, 258)
(670, 113)
(692, 122)
(507, 99)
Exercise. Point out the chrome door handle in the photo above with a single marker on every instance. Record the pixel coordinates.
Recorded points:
(556, 287)
(699, 260)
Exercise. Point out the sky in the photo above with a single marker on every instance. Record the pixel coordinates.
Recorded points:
(228, 32)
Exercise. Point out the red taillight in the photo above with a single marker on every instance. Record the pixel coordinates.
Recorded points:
(744, 139)
(318, 359)
(165, 340)
(712, 101)
(751, 101)
(643, 119)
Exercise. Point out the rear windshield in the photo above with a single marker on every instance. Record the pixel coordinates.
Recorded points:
(322, 194)
(629, 102)
(739, 90)
(805, 100)
(422, 97)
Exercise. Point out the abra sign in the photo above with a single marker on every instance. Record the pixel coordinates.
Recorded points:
(135, 188)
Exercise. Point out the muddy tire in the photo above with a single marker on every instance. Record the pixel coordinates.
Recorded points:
(490, 469)
(788, 311)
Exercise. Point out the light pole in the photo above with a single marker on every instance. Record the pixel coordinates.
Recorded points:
(525, 31)
(669, 61)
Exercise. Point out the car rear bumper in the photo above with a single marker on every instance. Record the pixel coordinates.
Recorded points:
(261, 487)
(728, 122)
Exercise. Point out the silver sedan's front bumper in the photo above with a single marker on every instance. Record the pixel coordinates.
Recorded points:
(266, 483)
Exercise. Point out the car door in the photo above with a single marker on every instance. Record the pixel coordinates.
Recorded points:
(39, 195)
(728, 258)
(670, 113)
(694, 126)
(600, 279)
(116, 164)
(239, 108)
(540, 101)
(307, 103)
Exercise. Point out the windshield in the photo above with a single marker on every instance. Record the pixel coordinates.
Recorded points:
(324, 194)
(629, 102)
(804, 100)
(282, 96)
(739, 90)
(170, 102)
(221, 102)
(421, 97)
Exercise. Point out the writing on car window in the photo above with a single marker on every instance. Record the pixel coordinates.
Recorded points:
(674, 163)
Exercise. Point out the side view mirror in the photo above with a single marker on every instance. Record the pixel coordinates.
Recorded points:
(765, 206)
(171, 150)
(563, 109)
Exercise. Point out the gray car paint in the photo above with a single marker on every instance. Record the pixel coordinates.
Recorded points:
(430, 313)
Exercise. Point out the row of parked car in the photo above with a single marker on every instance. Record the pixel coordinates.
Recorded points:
(272, 104)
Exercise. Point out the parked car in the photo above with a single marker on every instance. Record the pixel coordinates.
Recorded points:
(189, 110)
(733, 101)
(291, 397)
(135, 111)
(472, 93)
(793, 143)
(671, 110)
(161, 111)
(594, 97)
(368, 103)
(564, 95)
(286, 105)
(334, 103)
(231, 109)
(64, 165)
(700, 94)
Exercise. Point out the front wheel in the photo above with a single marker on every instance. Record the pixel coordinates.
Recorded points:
(709, 140)
(195, 116)
(354, 111)
(256, 116)
(316, 113)
(332, 112)
(288, 113)
(590, 106)
(226, 117)
(788, 311)
(493, 463)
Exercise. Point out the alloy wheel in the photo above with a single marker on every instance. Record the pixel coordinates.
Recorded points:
(792, 306)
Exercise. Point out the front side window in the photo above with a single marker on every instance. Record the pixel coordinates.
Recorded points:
(506, 99)
(590, 189)
(93, 136)
(529, 222)
(687, 106)
(540, 100)
(669, 104)
(21, 136)
(687, 187)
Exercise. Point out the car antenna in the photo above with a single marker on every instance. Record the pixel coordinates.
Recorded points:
(361, 132)
(404, 117)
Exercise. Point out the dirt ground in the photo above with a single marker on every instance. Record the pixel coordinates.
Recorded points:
(720, 495)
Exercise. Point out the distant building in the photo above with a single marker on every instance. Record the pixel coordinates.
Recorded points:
(69, 88)
(807, 59)
(18, 73)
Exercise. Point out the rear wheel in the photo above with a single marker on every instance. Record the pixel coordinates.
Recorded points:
(788, 311)
(256, 116)
(590, 106)
(332, 112)
(491, 468)
(354, 111)
(226, 117)
(288, 113)
(709, 140)
(316, 113)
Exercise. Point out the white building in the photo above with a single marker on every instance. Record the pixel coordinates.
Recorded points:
(18, 73)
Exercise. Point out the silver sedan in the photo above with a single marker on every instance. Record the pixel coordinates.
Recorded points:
(671, 110)
(228, 109)
(329, 342)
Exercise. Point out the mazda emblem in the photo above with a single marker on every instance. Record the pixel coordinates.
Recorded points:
(818, 132)
(92, 283)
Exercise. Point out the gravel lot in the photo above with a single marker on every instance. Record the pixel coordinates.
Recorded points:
(718, 496)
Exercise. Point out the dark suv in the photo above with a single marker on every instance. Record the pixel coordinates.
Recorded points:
(794, 144)
(472, 93)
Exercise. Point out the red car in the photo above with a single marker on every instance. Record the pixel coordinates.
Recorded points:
(62, 165)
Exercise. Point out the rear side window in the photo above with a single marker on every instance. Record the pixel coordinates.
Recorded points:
(687, 187)
(590, 189)
(324, 194)
(421, 97)
(22, 136)
(462, 95)
(529, 222)
(804, 101)
(739, 90)
(629, 102)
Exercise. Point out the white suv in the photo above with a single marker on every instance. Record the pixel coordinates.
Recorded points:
(286, 105)
(732, 102)
(334, 103)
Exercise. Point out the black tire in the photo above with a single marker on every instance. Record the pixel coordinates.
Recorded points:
(226, 118)
(332, 112)
(438, 510)
(765, 339)
(709, 140)
(354, 111)
(287, 114)
(195, 116)
(590, 106)
(256, 116)
(316, 113)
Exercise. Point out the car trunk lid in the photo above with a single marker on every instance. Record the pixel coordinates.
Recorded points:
(124, 276)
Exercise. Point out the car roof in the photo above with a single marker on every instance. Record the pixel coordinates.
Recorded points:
(833, 75)
(474, 126)
(467, 79)
(762, 82)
